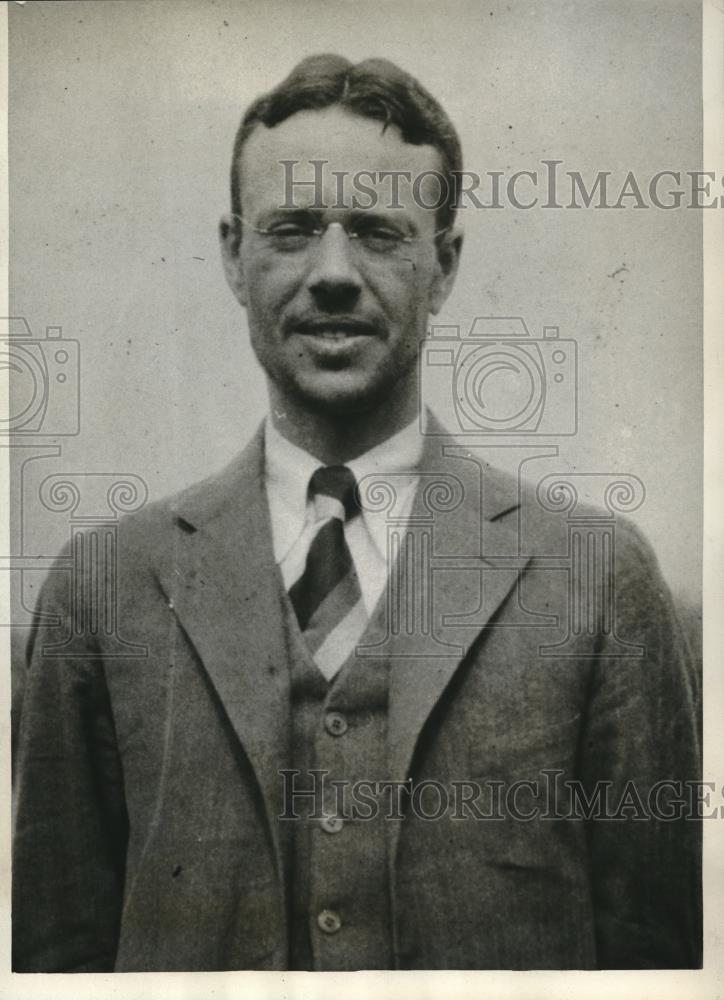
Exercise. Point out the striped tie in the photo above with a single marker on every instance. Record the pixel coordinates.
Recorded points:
(327, 598)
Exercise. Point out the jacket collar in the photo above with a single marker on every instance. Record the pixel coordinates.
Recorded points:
(243, 477)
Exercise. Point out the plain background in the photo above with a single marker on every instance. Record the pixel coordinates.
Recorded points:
(122, 116)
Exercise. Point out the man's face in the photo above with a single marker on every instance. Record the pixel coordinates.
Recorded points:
(336, 321)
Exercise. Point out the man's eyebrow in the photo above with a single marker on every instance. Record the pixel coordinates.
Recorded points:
(286, 212)
(394, 219)
(280, 214)
(368, 215)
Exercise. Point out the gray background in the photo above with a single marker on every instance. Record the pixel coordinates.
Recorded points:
(122, 116)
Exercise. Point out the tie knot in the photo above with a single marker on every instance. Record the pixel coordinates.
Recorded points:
(335, 483)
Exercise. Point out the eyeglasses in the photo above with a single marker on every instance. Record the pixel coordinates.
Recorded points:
(372, 237)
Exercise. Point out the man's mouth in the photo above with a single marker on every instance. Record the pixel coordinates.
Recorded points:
(333, 334)
(335, 329)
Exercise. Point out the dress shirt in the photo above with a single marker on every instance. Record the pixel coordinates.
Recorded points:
(288, 470)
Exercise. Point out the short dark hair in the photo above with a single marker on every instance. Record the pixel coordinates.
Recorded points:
(374, 88)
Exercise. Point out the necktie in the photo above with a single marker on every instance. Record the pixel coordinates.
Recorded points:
(327, 597)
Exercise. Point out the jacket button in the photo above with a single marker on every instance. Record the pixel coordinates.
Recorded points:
(335, 723)
(331, 824)
(329, 922)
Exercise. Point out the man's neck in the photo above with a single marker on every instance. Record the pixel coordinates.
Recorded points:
(338, 438)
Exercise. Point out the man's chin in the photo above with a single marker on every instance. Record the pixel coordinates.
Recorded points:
(338, 395)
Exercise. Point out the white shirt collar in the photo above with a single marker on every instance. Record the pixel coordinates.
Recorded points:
(289, 468)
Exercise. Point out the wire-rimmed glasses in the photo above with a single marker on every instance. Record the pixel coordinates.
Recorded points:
(372, 236)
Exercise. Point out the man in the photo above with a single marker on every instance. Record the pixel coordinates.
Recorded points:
(259, 793)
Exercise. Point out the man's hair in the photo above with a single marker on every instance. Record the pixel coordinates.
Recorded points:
(376, 89)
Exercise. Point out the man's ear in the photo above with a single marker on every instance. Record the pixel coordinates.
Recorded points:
(230, 240)
(448, 259)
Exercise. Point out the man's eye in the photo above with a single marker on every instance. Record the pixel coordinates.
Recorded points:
(380, 238)
(382, 233)
(289, 230)
(385, 234)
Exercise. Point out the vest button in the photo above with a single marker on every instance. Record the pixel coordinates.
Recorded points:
(332, 824)
(335, 723)
(329, 922)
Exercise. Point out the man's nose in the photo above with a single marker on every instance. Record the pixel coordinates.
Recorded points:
(334, 280)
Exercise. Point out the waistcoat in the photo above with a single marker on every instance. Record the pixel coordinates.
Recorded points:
(340, 912)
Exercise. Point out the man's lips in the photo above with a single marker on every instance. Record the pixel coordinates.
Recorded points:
(336, 341)
(335, 329)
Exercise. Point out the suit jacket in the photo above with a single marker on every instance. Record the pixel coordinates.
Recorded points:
(148, 788)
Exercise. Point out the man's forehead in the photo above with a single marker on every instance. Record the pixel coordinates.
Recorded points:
(351, 146)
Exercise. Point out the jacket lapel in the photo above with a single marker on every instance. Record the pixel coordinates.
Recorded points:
(222, 583)
(475, 549)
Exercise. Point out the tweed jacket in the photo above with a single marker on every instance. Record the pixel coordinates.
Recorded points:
(148, 793)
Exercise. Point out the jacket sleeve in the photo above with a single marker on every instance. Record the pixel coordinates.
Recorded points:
(640, 751)
(70, 818)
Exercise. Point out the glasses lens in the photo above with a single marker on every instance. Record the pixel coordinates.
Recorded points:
(290, 237)
(376, 238)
